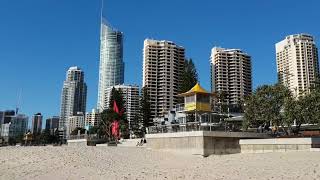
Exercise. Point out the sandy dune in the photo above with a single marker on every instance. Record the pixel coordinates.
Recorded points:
(140, 163)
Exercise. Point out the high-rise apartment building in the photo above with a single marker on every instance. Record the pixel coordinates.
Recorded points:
(130, 96)
(52, 124)
(6, 117)
(36, 123)
(297, 63)
(74, 96)
(73, 122)
(1, 120)
(231, 74)
(111, 69)
(163, 63)
(16, 128)
(92, 118)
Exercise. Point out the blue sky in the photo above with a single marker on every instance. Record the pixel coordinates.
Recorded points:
(40, 39)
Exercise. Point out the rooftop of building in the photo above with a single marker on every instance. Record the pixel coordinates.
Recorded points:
(105, 22)
(292, 38)
(228, 49)
(72, 68)
(161, 41)
(305, 35)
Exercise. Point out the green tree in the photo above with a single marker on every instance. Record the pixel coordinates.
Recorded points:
(275, 104)
(267, 105)
(37, 139)
(56, 137)
(45, 137)
(136, 125)
(75, 131)
(310, 107)
(250, 115)
(116, 95)
(109, 115)
(145, 113)
(189, 78)
(292, 111)
(303, 110)
(222, 103)
(313, 106)
(93, 130)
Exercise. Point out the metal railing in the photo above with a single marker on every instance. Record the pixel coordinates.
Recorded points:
(191, 126)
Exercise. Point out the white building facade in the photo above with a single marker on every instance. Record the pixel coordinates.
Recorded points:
(163, 65)
(92, 118)
(231, 74)
(76, 121)
(130, 94)
(297, 63)
(74, 96)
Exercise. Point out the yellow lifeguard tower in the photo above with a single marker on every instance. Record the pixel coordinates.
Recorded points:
(197, 101)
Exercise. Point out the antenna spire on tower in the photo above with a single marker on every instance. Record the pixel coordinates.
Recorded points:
(101, 11)
(18, 101)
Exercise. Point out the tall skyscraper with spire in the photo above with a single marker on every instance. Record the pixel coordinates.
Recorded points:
(73, 97)
(111, 70)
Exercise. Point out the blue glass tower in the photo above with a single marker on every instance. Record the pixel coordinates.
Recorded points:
(111, 70)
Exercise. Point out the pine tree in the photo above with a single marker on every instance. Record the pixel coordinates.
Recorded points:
(108, 115)
(145, 112)
(116, 95)
(136, 125)
(189, 77)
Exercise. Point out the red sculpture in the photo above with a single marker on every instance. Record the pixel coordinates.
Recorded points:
(115, 107)
(115, 129)
(115, 124)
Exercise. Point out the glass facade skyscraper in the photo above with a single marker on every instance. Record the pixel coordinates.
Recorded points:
(36, 123)
(111, 70)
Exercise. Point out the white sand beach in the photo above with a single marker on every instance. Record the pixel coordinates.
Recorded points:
(140, 163)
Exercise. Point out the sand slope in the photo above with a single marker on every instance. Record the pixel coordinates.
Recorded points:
(140, 163)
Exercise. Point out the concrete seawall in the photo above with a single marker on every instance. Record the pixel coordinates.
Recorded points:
(202, 143)
(278, 144)
(77, 142)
